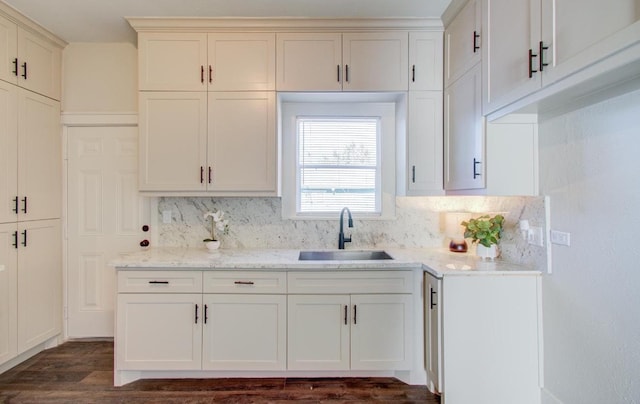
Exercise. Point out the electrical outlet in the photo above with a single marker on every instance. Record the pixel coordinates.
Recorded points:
(166, 216)
(560, 238)
(535, 236)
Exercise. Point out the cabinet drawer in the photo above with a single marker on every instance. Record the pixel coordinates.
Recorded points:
(350, 282)
(159, 282)
(245, 282)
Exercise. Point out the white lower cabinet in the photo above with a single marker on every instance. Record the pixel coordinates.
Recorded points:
(213, 322)
(332, 330)
(318, 332)
(244, 332)
(159, 331)
(492, 350)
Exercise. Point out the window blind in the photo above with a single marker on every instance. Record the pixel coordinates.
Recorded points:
(338, 164)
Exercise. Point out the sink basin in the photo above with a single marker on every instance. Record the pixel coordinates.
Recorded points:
(343, 255)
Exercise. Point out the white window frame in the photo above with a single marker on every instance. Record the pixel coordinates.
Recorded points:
(385, 111)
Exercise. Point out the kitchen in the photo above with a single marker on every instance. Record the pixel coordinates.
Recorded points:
(586, 151)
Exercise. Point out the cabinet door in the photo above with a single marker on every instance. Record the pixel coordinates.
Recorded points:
(39, 282)
(579, 32)
(40, 64)
(172, 61)
(159, 331)
(8, 152)
(381, 330)
(432, 332)
(245, 332)
(242, 142)
(425, 61)
(425, 143)
(464, 134)
(8, 292)
(8, 50)
(173, 141)
(241, 61)
(462, 42)
(39, 157)
(309, 62)
(511, 31)
(375, 61)
(318, 332)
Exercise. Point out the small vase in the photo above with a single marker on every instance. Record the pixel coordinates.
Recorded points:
(487, 253)
(212, 245)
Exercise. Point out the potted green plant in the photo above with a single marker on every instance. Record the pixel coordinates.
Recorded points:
(485, 231)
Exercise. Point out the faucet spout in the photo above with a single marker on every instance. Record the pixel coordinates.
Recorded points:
(341, 238)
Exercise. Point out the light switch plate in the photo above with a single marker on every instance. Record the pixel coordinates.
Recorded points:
(560, 238)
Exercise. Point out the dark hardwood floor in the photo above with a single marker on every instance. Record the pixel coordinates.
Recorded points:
(82, 372)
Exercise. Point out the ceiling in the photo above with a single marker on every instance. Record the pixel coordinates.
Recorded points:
(103, 20)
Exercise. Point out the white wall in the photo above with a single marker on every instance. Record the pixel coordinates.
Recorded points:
(590, 168)
(100, 77)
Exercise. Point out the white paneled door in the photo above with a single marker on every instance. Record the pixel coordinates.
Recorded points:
(105, 217)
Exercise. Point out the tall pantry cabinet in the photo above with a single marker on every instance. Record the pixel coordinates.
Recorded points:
(30, 186)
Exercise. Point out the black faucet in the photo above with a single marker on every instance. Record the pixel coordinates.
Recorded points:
(341, 238)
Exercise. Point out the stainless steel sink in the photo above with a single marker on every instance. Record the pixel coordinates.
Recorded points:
(343, 255)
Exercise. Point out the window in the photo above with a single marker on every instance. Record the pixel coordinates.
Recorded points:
(338, 164)
(337, 155)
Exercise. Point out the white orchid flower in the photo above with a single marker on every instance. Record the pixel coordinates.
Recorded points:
(218, 223)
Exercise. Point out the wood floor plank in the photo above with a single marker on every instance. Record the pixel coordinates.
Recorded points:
(81, 372)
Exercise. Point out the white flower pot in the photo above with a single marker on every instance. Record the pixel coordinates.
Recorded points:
(487, 253)
(212, 245)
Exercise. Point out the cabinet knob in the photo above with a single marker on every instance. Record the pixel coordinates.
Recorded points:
(144, 243)
(15, 67)
(24, 70)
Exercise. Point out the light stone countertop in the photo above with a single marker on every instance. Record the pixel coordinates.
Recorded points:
(438, 262)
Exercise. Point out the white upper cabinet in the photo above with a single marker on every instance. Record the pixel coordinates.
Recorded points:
(375, 61)
(425, 61)
(224, 142)
(509, 58)
(241, 142)
(29, 60)
(577, 32)
(172, 62)
(39, 157)
(464, 166)
(201, 62)
(362, 61)
(39, 64)
(462, 42)
(424, 143)
(531, 44)
(173, 141)
(8, 152)
(309, 62)
(8, 51)
(241, 61)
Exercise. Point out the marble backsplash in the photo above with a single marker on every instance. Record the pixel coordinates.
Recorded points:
(419, 222)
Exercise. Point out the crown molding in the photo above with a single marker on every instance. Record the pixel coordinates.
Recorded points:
(289, 24)
(25, 22)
